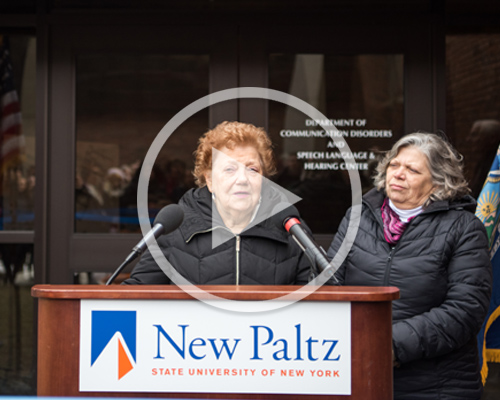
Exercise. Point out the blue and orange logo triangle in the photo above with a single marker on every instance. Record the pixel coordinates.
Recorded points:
(105, 325)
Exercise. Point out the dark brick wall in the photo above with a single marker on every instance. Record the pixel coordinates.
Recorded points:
(473, 101)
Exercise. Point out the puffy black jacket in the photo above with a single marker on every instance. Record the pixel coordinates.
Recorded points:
(265, 254)
(442, 268)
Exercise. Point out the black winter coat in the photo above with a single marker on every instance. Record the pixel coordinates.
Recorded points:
(265, 254)
(442, 268)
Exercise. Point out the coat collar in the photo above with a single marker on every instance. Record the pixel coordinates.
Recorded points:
(374, 199)
(197, 206)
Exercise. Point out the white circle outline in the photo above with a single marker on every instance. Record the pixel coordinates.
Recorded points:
(143, 212)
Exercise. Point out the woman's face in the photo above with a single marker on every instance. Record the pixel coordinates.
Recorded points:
(236, 182)
(408, 180)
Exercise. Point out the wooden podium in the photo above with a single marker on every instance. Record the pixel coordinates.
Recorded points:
(59, 334)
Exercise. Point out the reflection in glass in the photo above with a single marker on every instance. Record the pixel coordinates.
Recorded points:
(362, 96)
(17, 184)
(17, 132)
(123, 101)
(473, 102)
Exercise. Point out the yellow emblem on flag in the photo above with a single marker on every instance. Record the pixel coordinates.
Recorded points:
(487, 205)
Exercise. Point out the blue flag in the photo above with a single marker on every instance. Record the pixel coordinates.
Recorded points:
(488, 211)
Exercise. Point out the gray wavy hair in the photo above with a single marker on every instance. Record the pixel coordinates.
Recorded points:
(444, 162)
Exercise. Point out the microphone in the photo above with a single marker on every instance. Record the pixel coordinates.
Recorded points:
(168, 220)
(287, 216)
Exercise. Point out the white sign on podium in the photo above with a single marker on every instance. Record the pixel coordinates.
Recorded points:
(191, 347)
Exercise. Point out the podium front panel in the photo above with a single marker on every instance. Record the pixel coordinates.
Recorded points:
(94, 337)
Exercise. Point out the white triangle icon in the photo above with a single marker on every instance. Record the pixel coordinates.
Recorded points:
(251, 196)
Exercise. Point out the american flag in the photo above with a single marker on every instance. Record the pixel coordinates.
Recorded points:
(11, 138)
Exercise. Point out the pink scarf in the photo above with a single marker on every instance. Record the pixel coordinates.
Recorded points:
(393, 227)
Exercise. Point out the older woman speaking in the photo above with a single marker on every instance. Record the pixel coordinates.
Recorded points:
(226, 237)
(418, 232)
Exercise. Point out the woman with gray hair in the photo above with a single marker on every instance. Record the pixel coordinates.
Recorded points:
(418, 232)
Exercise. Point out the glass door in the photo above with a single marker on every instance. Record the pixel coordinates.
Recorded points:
(366, 89)
(114, 88)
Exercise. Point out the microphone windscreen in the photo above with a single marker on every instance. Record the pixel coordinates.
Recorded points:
(170, 217)
(282, 212)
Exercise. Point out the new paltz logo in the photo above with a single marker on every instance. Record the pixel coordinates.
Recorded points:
(115, 328)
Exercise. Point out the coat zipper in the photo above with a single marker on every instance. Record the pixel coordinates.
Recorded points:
(390, 257)
(378, 217)
(388, 267)
(388, 264)
(238, 240)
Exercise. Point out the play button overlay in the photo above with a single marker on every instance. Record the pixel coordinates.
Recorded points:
(241, 195)
(160, 140)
